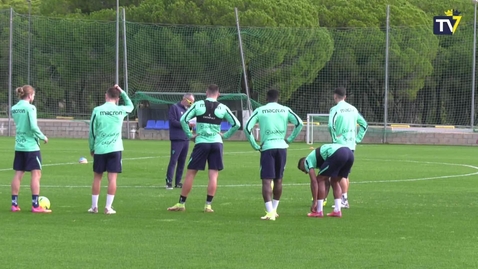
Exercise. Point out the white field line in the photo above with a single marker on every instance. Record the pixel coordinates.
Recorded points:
(284, 184)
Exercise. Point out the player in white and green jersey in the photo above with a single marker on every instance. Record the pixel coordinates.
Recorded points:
(106, 144)
(273, 120)
(27, 147)
(209, 114)
(334, 162)
(343, 121)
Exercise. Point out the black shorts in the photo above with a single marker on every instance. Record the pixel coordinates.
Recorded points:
(338, 164)
(108, 162)
(27, 161)
(273, 163)
(210, 152)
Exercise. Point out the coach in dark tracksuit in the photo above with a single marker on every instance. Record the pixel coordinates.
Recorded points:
(179, 141)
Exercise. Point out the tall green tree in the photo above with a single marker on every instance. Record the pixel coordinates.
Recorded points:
(359, 57)
(446, 96)
(74, 63)
(281, 58)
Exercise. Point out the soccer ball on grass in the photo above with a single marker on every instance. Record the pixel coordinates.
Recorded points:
(43, 202)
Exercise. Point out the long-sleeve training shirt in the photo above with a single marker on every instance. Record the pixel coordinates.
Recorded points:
(28, 134)
(106, 126)
(209, 114)
(273, 119)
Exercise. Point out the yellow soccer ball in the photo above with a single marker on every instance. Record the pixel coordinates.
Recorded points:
(43, 202)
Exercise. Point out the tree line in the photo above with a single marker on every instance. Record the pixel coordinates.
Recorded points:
(304, 48)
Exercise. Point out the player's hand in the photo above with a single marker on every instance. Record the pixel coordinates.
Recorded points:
(118, 88)
(193, 138)
(221, 134)
(45, 140)
(191, 125)
(92, 153)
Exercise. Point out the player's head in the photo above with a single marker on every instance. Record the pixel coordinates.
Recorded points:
(188, 100)
(272, 96)
(26, 92)
(212, 91)
(339, 94)
(112, 94)
(301, 165)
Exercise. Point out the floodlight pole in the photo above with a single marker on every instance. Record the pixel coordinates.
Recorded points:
(117, 42)
(244, 70)
(473, 71)
(29, 41)
(10, 55)
(385, 99)
(125, 55)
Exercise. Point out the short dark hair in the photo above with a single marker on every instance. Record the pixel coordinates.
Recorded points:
(272, 95)
(300, 161)
(340, 91)
(213, 89)
(113, 92)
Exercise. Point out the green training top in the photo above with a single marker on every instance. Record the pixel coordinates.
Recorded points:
(209, 114)
(326, 150)
(343, 120)
(28, 134)
(106, 126)
(273, 119)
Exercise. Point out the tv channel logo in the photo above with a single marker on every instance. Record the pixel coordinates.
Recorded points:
(446, 25)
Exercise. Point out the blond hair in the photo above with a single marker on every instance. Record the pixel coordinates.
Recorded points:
(24, 91)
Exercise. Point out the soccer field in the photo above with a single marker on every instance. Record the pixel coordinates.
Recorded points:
(410, 207)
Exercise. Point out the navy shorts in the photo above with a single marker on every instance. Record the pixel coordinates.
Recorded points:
(27, 161)
(339, 164)
(210, 152)
(273, 163)
(108, 162)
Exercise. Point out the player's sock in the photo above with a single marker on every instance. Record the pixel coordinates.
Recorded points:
(15, 200)
(35, 201)
(182, 199)
(344, 196)
(109, 200)
(338, 203)
(275, 204)
(209, 199)
(94, 201)
(269, 207)
(320, 205)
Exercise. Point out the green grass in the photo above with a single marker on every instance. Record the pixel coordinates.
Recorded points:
(411, 207)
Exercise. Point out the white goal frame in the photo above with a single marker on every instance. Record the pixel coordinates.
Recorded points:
(310, 126)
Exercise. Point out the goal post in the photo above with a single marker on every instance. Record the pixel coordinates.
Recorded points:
(155, 105)
(316, 126)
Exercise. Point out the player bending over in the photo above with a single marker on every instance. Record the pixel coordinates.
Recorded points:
(334, 161)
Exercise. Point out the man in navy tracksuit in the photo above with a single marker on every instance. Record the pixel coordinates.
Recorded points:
(179, 141)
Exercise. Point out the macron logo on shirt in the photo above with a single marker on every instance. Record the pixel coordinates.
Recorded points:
(274, 110)
(111, 113)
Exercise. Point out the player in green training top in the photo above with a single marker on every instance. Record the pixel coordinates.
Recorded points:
(334, 161)
(343, 120)
(27, 147)
(106, 144)
(209, 113)
(273, 119)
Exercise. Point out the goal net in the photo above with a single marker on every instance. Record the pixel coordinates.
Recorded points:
(317, 130)
(155, 105)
